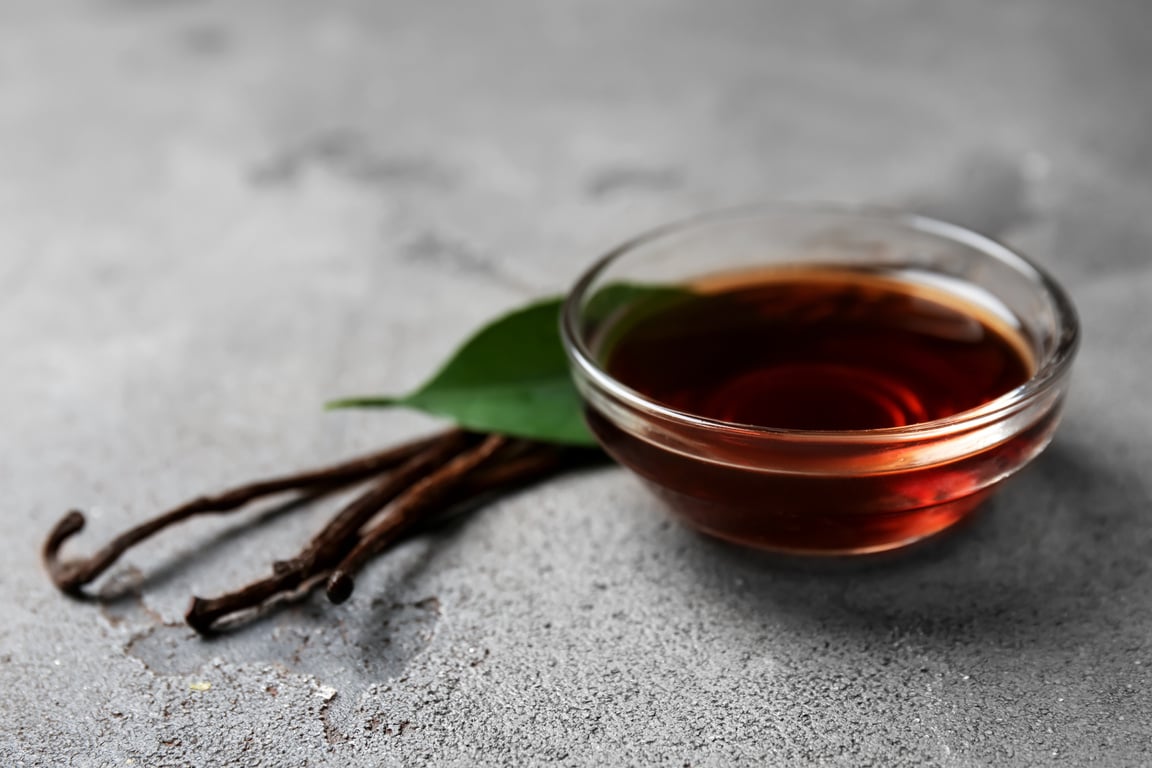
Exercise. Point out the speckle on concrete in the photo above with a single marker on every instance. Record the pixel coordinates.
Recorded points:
(216, 215)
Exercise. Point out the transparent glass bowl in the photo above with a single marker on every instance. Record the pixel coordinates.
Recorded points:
(824, 492)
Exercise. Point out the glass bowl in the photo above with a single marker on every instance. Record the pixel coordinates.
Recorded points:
(825, 490)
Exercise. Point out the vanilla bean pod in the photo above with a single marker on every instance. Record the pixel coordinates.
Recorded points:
(71, 575)
(521, 463)
(415, 503)
(330, 544)
(529, 462)
(421, 481)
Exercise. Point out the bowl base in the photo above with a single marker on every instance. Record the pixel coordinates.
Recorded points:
(815, 532)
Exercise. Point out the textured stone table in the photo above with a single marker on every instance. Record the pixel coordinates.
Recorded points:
(216, 215)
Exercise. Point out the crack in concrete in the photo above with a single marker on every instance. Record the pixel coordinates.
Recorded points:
(624, 180)
(347, 155)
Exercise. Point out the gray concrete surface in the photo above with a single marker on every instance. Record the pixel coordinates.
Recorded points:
(216, 215)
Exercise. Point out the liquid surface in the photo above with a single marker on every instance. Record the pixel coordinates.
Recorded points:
(818, 351)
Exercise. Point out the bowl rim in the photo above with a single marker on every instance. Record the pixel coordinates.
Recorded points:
(1050, 370)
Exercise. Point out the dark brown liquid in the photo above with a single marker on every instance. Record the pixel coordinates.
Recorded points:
(838, 351)
(824, 351)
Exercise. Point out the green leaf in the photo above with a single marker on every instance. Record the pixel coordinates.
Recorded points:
(511, 377)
